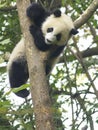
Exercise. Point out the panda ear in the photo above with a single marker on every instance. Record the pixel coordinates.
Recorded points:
(74, 31)
(57, 13)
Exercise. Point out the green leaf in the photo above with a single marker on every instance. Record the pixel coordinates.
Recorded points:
(18, 89)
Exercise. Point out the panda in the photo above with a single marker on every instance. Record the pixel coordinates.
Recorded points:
(51, 31)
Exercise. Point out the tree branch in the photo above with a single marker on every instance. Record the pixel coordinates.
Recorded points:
(6, 9)
(39, 85)
(87, 14)
(89, 52)
(93, 31)
(79, 58)
(86, 53)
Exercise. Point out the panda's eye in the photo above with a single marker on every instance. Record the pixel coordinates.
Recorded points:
(58, 36)
(50, 30)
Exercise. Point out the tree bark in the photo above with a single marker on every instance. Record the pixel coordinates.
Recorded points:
(36, 64)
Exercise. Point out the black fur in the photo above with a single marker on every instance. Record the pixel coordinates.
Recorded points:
(19, 76)
(74, 31)
(18, 71)
(37, 14)
(57, 13)
(38, 38)
(55, 52)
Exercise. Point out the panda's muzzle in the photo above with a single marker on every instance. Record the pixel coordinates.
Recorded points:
(50, 38)
(48, 41)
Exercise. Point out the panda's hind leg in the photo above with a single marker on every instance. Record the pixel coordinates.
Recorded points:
(18, 75)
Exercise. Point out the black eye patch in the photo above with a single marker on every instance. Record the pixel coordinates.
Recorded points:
(50, 30)
(58, 36)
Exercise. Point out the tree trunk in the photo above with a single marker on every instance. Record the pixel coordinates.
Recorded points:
(36, 64)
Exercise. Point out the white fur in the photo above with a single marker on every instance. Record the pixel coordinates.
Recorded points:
(51, 37)
(17, 53)
(62, 24)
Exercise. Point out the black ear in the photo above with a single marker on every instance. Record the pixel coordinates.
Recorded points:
(74, 31)
(57, 13)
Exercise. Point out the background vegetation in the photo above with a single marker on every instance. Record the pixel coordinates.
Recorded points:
(73, 82)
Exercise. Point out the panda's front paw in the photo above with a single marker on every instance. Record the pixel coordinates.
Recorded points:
(33, 29)
(34, 11)
(31, 11)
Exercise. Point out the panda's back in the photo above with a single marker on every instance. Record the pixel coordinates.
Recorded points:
(18, 53)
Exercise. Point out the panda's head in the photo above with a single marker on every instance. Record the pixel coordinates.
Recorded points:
(57, 28)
